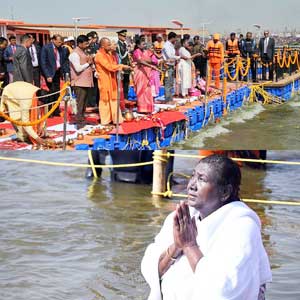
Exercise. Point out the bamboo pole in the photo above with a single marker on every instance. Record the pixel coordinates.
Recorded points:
(237, 77)
(225, 93)
(159, 173)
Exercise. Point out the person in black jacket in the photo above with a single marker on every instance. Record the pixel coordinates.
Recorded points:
(93, 93)
(249, 49)
(124, 59)
(267, 52)
(3, 70)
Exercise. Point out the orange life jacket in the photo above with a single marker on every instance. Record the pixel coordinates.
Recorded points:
(231, 154)
(233, 47)
(215, 50)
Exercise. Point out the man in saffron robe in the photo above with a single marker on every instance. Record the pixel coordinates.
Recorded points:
(108, 87)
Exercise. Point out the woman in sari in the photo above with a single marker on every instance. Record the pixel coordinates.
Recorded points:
(155, 75)
(142, 77)
(185, 69)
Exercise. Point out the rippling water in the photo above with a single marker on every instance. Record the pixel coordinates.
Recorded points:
(261, 127)
(64, 237)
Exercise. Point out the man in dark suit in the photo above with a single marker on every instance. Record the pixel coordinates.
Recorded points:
(93, 93)
(54, 66)
(124, 59)
(35, 54)
(3, 69)
(23, 70)
(8, 56)
(267, 52)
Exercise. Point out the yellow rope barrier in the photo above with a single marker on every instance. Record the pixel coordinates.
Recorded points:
(240, 69)
(292, 203)
(92, 164)
(168, 193)
(58, 164)
(267, 97)
(247, 67)
(235, 159)
(46, 116)
(226, 69)
(287, 60)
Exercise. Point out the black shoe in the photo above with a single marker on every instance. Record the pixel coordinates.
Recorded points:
(80, 126)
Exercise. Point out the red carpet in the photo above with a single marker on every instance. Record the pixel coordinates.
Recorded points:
(50, 122)
(161, 119)
(12, 145)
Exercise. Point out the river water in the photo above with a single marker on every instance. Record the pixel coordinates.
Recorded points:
(273, 127)
(65, 237)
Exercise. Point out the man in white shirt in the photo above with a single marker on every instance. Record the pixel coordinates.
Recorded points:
(81, 66)
(170, 58)
(35, 51)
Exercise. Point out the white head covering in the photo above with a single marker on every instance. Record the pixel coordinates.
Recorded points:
(69, 39)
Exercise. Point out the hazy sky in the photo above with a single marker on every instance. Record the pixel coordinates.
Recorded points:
(223, 14)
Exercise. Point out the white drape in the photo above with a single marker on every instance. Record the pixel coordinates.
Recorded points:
(234, 265)
(185, 71)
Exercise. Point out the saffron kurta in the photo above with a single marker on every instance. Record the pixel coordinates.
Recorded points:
(108, 87)
(185, 71)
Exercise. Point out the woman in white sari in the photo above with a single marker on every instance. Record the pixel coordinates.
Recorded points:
(210, 247)
(184, 75)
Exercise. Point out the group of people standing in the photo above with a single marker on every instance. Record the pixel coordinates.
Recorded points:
(93, 67)
(29, 62)
(245, 48)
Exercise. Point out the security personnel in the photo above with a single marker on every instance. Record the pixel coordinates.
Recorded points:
(215, 51)
(232, 46)
(123, 53)
(232, 50)
(249, 49)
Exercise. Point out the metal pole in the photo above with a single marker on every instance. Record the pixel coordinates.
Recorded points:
(206, 85)
(203, 34)
(225, 92)
(76, 31)
(249, 68)
(118, 105)
(65, 123)
(236, 69)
